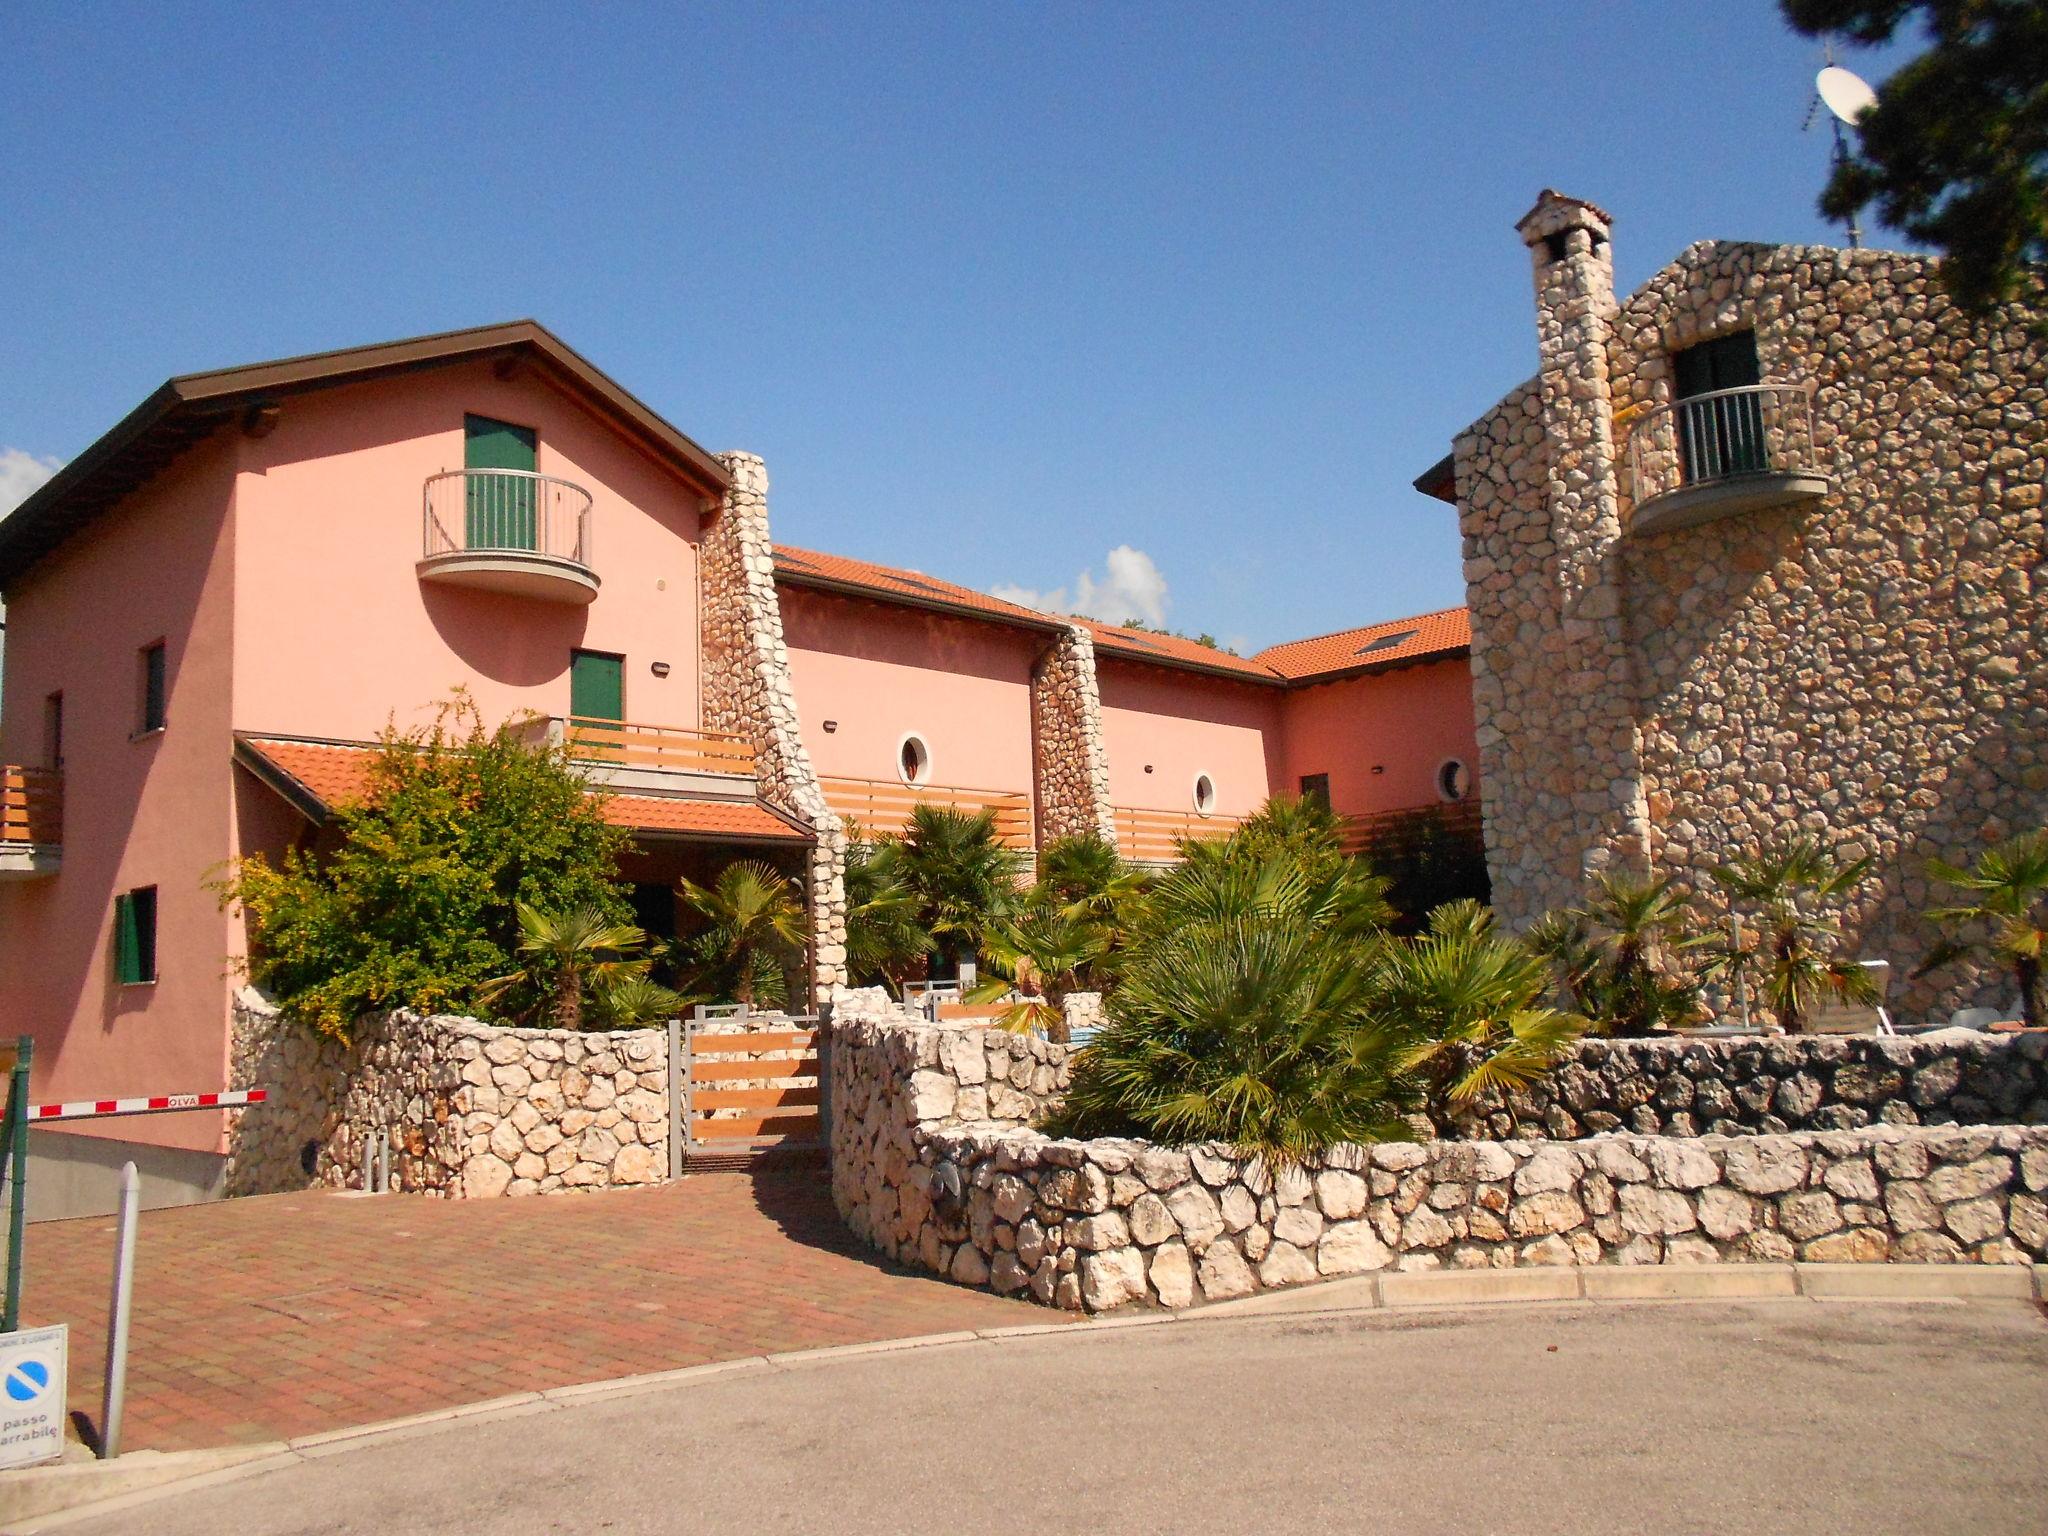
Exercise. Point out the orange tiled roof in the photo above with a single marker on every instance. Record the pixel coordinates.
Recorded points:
(913, 586)
(334, 773)
(1443, 633)
(1146, 645)
(887, 582)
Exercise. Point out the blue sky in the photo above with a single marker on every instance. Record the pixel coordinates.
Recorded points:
(995, 289)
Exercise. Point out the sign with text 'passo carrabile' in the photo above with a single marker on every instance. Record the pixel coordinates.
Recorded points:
(32, 1395)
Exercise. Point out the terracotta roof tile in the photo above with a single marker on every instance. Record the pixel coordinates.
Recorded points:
(334, 774)
(1443, 633)
(886, 582)
(1146, 645)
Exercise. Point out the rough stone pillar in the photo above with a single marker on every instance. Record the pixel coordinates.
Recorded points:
(1593, 707)
(1069, 766)
(747, 691)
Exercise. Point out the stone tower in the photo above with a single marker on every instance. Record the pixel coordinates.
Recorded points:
(1592, 715)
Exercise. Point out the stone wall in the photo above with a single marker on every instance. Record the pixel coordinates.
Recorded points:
(1870, 667)
(468, 1109)
(935, 1164)
(747, 691)
(1752, 1085)
(1069, 764)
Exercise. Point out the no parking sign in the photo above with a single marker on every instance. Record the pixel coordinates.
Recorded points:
(32, 1395)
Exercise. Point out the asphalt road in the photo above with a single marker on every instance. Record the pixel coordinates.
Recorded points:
(1714, 1418)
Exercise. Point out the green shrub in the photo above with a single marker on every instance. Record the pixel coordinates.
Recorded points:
(417, 905)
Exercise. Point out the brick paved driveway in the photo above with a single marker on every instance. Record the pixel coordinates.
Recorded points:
(259, 1319)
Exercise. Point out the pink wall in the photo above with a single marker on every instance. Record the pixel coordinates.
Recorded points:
(1180, 724)
(1407, 721)
(882, 671)
(336, 631)
(152, 811)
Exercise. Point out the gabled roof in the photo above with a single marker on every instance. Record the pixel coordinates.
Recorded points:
(193, 406)
(1373, 648)
(317, 777)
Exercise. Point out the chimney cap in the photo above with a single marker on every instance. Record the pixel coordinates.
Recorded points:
(1555, 213)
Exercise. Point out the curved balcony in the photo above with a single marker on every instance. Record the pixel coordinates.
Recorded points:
(508, 530)
(1722, 453)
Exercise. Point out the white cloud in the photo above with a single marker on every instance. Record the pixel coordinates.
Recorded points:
(20, 473)
(1130, 588)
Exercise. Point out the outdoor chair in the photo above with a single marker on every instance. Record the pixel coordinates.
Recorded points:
(1858, 1018)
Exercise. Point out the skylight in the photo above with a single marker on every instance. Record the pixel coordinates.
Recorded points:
(1386, 642)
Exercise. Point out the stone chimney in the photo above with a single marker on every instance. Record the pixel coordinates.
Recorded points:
(1573, 261)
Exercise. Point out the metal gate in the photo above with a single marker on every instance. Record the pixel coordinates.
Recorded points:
(748, 1083)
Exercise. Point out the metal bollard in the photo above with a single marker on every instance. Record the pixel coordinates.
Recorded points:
(384, 1161)
(114, 1398)
(369, 1166)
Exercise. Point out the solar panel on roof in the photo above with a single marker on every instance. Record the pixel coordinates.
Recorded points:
(1386, 642)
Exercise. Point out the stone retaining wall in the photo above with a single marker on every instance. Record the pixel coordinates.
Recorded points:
(469, 1109)
(935, 1163)
(1750, 1085)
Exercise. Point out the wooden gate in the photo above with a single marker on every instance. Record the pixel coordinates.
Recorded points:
(749, 1083)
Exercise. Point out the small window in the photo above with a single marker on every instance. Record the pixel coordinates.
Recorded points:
(1454, 780)
(53, 731)
(913, 760)
(1205, 794)
(1315, 787)
(135, 936)
(150, 667)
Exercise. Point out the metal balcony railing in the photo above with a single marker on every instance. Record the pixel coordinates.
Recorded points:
(1754, 432)
(505, 511)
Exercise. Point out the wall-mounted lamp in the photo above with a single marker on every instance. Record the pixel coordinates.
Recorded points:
(1148, 767)
(661, 669)
(831, 726)
(1379, 768)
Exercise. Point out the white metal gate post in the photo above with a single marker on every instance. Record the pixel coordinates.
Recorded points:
(115, 1396)
(677, 1125)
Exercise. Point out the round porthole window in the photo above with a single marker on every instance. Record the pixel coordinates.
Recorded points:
(1454, 780)
(913, 760)
(1205, 793)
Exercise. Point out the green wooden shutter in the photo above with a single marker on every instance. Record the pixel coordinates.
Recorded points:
(597, 686)
(127, 941)
(498, 510)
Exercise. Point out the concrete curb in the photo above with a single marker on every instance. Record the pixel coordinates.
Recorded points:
(48, 1498)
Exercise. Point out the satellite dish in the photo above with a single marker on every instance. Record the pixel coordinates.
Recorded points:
(1846, 94)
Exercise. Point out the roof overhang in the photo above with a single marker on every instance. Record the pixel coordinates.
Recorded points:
(816, 581)
(317, 775)
(187, 409)
(1440, 480)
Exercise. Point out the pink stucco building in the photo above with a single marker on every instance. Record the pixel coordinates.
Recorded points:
(218, 605)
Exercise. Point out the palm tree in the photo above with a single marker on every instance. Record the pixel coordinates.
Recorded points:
(1794, 949)
(883, 936)
(636, 1000)
(754, 930)
(1624, 957)
(1041, 952)
(1245, 1014)
(565, 952)
(2007, 887)
(1467, 1001)
(960, 874)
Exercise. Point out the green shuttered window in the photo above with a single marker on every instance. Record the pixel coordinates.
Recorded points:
(135, 936)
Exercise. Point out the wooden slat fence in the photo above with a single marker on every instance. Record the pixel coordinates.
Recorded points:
(31, 805)
(626, 745)
(1155, 836)
(882, 806)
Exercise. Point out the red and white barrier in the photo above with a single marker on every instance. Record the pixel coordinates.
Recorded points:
(92, 1109)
